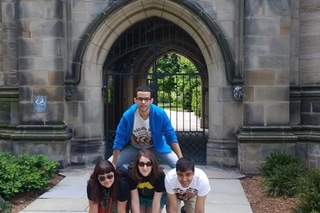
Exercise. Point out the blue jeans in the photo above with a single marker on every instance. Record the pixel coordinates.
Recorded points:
(129, 153)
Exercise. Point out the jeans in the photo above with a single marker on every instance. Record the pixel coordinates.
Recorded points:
(129, 153)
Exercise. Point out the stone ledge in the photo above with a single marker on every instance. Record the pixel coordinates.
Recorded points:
(41, 132)
(307, 133)
(7, 130)
(270, 134)
(9, 92)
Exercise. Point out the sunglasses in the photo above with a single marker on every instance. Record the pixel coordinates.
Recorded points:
(103, 177)
(143, 99)
(142, 164)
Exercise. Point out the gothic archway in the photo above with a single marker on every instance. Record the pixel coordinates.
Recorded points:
(121, 15)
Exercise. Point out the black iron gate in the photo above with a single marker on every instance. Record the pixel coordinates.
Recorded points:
(132, 61)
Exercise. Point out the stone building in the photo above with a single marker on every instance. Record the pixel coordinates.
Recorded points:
(260, 61)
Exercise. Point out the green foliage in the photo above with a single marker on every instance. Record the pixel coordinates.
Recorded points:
(164, 97)
(176, 82)
(285, 180)
(196, 101)
(24, 173)
(186, 82)
(4, 206)
(309, 194)
(274, 160)
(169, 66)
(282, 173)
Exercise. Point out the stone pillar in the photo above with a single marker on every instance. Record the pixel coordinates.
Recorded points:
(8, 74)
(41, 81)
(309, 67)
(222, 108)
(84, 111)
(267, 82)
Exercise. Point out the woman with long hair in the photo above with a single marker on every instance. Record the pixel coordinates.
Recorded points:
(146, 180)
(106, 190)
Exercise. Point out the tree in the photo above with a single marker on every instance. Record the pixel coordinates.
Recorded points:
(167, 67)
(176, 80)
(186, 82)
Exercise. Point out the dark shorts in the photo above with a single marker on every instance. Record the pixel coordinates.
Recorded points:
(148, 202)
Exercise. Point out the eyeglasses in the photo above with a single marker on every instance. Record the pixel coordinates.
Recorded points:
(142, 164)
(143, 99)
(103, 177)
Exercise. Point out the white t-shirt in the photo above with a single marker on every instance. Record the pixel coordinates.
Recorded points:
(199, 185)
(141, 134)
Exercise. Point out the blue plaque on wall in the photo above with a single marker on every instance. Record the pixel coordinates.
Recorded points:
(40, 103)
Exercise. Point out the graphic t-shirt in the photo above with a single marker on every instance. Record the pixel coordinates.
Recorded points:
(146, 189)
(141, 134)
(199, 185)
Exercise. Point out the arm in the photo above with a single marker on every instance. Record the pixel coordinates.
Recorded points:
(93, 207)
(176, 148)
(115, 155)
(122, 206)
(170, 135)
(200, 204)
(121, 139)
(135, 208)
(172, 206)
(156, 202)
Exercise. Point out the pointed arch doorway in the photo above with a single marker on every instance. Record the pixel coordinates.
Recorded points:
(218, 68)
(132, 61)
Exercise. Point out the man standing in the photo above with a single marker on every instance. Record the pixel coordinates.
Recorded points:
(145, 126)
(188, 184)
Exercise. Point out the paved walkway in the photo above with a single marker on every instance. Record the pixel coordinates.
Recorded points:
(69, 195)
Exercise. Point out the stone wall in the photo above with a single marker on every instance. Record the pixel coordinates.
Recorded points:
(84, 113)
(8, 66)
(255, 153)
(278, 57)
(302, 135)
(267, 62)
(309, 70)
(309, 47)
(267, 52)
(38, 44)
(2, 34)
(9, 93)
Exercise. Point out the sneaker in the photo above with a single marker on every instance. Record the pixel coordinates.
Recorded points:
(183, 209)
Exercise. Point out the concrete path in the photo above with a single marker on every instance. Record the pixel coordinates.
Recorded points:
(184, 121)
(69, 195)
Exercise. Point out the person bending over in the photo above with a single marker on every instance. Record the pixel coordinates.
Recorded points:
(146, 180)
(107, 191)
(188, 184)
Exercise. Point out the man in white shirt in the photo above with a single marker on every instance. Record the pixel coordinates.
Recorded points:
(186, 183)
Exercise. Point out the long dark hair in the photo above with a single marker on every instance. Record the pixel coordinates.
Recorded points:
(103, 167)
(155, 172)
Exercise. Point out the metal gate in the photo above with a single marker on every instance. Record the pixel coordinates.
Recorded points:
(133, 62)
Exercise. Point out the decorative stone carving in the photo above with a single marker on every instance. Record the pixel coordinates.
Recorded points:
(69, 92)
(238, 92)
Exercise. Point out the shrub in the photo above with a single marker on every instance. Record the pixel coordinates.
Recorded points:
(309, 194)
(274, 160)
(24, 173)
(281, 174)
(4, 206)
(284, 181)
